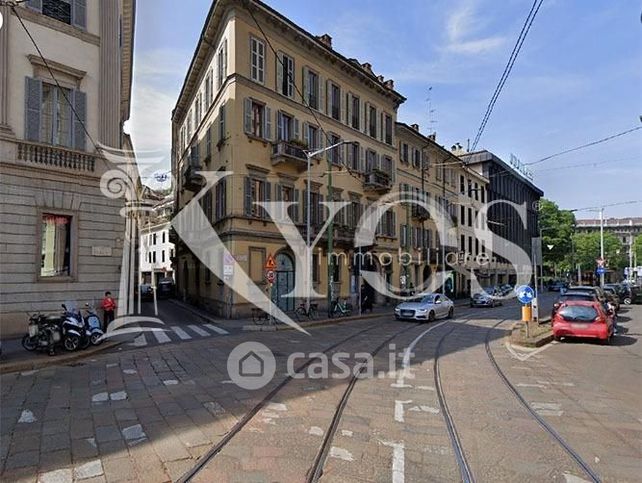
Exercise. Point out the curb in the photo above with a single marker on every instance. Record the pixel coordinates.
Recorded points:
(315, 323)
(45, 361)
(533, 342)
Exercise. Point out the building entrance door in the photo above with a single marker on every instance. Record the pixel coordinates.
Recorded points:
(284, 282)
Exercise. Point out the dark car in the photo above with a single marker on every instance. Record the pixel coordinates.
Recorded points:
(489, 297)
(612, 297)
(146, 292)
(557, 286)
(601, 296)
(166, 288)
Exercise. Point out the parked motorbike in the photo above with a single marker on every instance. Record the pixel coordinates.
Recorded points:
(93, 325)
(44, 333)
(74, 332)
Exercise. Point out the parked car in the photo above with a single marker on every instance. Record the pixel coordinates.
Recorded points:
(557, 286)
(572, 295)
(583, 319)
(166, 288)
(601, 296)
(486, 298)
(506, 288)
(146, 292)
(428, 307)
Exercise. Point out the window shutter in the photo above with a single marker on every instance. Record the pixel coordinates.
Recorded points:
(304, 85)
(295, 208)
(221, 126)
(377, 161)
(362, 159)
(328, 98)
(279, 126)
(304, 206)
(297, 129)
(279, 73)
(306, 134)
(349, 109)
(79, 119)
(349, 156)
(247, 115)
(267, 131)
(79, 13)
(321, 94)
(248, 196)
(224, 70)
(33, 106)
(394, 224)
(321, 211)
(342, 107)
(382, 128)
(35, 5)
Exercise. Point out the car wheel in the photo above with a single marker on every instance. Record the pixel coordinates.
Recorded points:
(627, 301)
(431, 316)
(557, 338)
(451, 312)
(96, 339)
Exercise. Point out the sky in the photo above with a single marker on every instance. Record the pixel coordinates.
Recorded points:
(577, 79)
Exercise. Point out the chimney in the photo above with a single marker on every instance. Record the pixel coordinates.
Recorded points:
(368, 67)
(415, 127)
(433, 137)
(380, 77)
(458, 149)
(390, 84)
(325, 39)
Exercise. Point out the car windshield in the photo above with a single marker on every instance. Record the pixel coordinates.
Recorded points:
(578, 313)
(577, 296)
(428, 299)
(489, 290)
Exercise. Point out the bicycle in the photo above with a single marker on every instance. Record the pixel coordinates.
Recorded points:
(340, 309)
(301, 312)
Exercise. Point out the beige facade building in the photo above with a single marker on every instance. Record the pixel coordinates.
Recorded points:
(259, 91)
(60, 237)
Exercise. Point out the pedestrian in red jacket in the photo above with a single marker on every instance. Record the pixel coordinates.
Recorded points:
(109, 307)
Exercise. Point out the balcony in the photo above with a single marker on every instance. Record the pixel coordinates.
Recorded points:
(377, 181)
(192, 181)
(289, 153)
(56, 156)
(419, 213)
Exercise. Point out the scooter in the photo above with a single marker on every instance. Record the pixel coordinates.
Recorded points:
(44, 333)
(74, 333)
(93, 325)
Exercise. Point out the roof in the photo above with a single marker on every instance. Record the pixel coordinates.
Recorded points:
(203, 48)
(485, 156)
(611, 222)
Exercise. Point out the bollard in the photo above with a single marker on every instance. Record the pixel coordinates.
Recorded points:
(527, 316)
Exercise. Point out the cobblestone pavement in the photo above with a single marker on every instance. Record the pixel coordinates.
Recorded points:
(150, 413)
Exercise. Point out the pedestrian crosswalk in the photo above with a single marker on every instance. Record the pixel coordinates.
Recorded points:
(175, 334)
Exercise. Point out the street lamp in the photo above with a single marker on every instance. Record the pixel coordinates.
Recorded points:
(309, 155)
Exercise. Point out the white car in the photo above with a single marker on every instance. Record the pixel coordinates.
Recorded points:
(428, 307)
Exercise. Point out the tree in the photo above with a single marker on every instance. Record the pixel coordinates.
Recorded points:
(587, 250)
(558, 227)
(637, 249)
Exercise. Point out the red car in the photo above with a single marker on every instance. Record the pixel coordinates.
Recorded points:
(585, 319)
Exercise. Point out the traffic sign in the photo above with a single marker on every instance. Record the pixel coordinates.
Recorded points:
(600, 270)
(270, 276)
(270, 264)
(525, 294)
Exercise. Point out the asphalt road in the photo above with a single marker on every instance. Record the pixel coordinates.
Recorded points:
(430, 405)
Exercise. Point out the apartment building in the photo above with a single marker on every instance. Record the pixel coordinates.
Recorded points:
(156, 249)
(259, 91)
(62, 239)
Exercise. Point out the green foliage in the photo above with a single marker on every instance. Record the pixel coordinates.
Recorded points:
(637, 248)
(587, 250)
(557, 233)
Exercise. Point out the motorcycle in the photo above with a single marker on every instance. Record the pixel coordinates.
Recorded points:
(93, 325)
(74, 331)
(44, 333)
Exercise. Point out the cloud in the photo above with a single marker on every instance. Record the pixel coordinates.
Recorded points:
(461, 25)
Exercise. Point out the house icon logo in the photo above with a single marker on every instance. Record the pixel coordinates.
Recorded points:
(251, 365)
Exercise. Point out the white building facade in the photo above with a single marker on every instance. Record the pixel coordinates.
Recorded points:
(61, 238)
(156, 253)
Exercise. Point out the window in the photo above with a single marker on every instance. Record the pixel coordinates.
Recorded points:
(56, 116)
(285, 75)
(285, 127)
(163, 237)
(386, 164)
(353, 150)
(221, 72)
(316, 201)
(208, 141)
(372, 127)
(312, 89)
(462, 184)
(470, 217)
(221, 123)
(356, 112)
(72, 12)
(256, 191)
(154, 257)
(197, 111)
(388, 129)
(258, 119)
(315, 268)
(163, 256)
(335, 101)
(55, 247)
(209, 90)
(257, 56)
(371, 160)
(404, 153)
(312, 137)
(416, 158)
(220, 207)
(155, 239)
(334, 155)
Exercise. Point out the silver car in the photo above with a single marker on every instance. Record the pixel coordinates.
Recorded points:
(428, 307)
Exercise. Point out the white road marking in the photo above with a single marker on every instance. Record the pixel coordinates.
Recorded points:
(524, 384)
(565, 384)
(405, 362)
(134, 434)
(547, 409)
(398, 461)
(56, 476)
(215, 408)
(315, 431)
(399, 410)
(199, 331)
(91, 441)
(425, 409)
(530, 352)
(118, 396)
(340, 453)
(139, 341)
(129, 371)
(574, 479)
(273, 406)
(181, 333)
(27, 417)
(111, 364)
(28, 373)
(426, 388)
(170, 382)
(216, 329)
(346, 432)
(161, 337)
(100, 397)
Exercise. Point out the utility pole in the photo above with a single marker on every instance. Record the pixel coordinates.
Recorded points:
(602, 243)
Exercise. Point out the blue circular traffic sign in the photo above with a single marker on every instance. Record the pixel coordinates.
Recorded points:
(525, 294)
